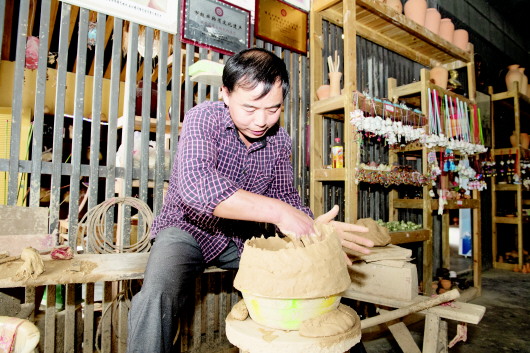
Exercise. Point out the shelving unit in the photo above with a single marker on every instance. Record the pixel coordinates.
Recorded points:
(373, 20)
(509, 226)
(420, 89)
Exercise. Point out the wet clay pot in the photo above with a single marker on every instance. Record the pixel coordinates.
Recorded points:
(461, 38)
(513, 75)
(447, 29)
(432, 20)
(415, 10)
(439, 76)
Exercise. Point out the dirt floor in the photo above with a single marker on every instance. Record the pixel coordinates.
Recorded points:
(505, 326)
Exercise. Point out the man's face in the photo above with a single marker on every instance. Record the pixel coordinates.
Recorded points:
(253, 117)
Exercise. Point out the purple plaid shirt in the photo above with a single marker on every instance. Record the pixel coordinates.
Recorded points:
(211, 164)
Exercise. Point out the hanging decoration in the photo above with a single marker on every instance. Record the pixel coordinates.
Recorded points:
(387, 175)
(32, 53)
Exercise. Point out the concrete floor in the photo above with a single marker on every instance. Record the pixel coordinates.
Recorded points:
(505, 326)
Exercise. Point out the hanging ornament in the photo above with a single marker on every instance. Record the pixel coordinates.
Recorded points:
(32, 53)
(92, 34)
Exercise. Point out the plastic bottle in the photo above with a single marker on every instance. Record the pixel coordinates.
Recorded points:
(337, 154)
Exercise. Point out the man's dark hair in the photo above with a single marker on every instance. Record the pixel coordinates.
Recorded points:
(250, 67)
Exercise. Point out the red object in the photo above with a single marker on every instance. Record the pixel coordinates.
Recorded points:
(62, 253)
(32, 53)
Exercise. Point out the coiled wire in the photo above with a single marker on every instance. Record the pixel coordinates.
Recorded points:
(94, 221)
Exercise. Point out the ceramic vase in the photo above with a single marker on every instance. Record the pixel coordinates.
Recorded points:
(524, 139)
(513, 75)
(395, 4)
(323, 92)
(513, 139)
(461, 38)
(334, 83)
(447, 29)
(439, 76)
(432, 20)
(523, 84)
(415, 10)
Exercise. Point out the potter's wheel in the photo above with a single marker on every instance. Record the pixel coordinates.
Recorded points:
(252, 337)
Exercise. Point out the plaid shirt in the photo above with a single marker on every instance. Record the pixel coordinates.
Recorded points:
(211, 164)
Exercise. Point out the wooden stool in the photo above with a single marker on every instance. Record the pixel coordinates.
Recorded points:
(251, 337)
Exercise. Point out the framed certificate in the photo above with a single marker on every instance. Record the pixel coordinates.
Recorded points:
(216, 24)
(282, 24)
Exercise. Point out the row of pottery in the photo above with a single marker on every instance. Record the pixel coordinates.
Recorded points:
(430, 18)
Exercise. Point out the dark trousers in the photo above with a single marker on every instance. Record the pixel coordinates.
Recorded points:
(174, 263)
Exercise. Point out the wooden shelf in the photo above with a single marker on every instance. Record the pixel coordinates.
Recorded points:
(330, 174)
(382, 25)
(410, 236)
(408, 203)
(507, 187)
(503, 266)
(329, 105)
(506, 220)
(457, 204)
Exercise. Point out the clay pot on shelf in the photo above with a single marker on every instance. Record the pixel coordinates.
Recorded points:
(432, 20)
(461, 38)
(439, 76)
(323, 92)
(524, 139)
(513, 75)
(415, 10)
(523, 84)
(513, 139)
(334, 83)
(395, 4)
(447, 29)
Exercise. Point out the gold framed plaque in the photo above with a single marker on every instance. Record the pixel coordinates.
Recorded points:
(282, 24)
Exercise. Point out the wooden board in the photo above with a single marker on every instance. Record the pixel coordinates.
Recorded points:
(15, 220)
(83, 268)
(14, 244)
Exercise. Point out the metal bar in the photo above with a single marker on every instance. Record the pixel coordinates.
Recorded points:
(95, 131)
(77, 138)
(58, 123)
(145, 160)
(110, 182)
(16, 118)
(161, 125)
(2, 19)
(188, 85)
(175, 98)
(128, 133)
(40, 95)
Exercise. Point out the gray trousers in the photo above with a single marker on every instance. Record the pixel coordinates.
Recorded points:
(174, 263)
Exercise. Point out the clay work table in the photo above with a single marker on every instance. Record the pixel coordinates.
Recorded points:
(83, 268)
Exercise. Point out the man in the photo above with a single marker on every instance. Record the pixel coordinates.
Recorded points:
(232, 173)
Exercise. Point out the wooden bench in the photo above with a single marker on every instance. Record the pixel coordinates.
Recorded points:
(435, 332)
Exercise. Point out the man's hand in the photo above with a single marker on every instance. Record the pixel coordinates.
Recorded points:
(347, 233)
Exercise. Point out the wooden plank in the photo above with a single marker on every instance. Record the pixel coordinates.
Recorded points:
(14, 244)
(49, 320)
(404, 338)
(328, 105)
(17, 220)
(410, 236)
(330, 174)
(430, 335)
(69, 319)
(105, 324)
(458, 311)
(442, 338)
(83, 268)
(88, 322)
